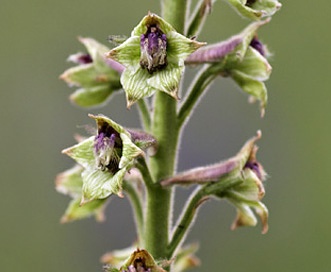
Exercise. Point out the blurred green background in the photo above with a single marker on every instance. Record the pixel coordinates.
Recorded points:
(38, 121)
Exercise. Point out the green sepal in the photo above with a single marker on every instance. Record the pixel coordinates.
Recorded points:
(128, 53)
(93, 96)
(82, 152)
(135, 84)
(246, 198)
(83, 75)
(130, 150)
(253, 87)
(253, 64)
(256, 9)
(75, 211)
(70, 182)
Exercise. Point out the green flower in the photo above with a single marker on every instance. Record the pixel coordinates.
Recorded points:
(255, 9)
(243, 58)
(238, 180)
(105, 158)
(153, 58)
(96, 76)
(246, 195)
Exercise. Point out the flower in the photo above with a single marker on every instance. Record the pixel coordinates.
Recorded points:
(141, 260)
(96, 76)
(153, 58)
(243, 58)
(104, 158)
(238, 180)
(255, 9)
(132, 259)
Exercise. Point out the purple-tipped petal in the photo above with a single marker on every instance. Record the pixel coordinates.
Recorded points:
(214, 53)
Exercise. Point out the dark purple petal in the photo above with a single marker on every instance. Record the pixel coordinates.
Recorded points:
(257, 45)
(256, 168)
(250, 3)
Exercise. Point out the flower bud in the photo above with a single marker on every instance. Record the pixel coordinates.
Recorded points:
(243, 58)
(96, 76)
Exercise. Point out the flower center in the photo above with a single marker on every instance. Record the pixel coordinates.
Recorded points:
(256, 168)
(257, 45)
(153, 47)
(249, 3)
(107, 150)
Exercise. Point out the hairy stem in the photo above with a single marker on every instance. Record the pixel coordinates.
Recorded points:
(136, 204)
(185, 220)
(164, 128)
(197, 88)
(174, 12)
(144, 114)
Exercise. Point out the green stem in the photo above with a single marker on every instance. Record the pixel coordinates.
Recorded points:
(205, 77)
(144, 170)
(174, 12)
(144, 114)
(136, 204)
(162, 165)
(197, 19)
(185, 220)
(189, 212)
(164, 128)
